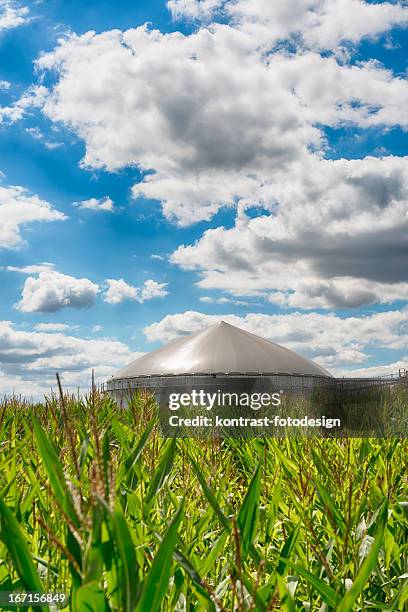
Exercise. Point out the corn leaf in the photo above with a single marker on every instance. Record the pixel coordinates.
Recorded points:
(156, 583)
(162, 471)
(348, 601)
(16, 543)
(248, 515)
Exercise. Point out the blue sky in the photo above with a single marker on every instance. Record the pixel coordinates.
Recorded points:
(165, 165)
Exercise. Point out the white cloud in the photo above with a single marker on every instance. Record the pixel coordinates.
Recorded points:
(29, 360)
(194, 9)
(101, 204)
(52, 327)
(335, 237)
(30, 269)
(324, 24)
(226, 117)
(119, 290)
(12, 14)
(351, 95)
(192, 123)
(188, 199)
(5, 85)
(151, 289)
(223, 119)
(37, 134)
(17, 208)
(326, 338)
(353, 20)
(380, 370)
(51, 291)
(34, 97)
(206, 299)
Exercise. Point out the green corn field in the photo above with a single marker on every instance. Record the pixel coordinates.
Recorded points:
(94, 503)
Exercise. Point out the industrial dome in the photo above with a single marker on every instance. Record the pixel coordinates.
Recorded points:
(221, 349)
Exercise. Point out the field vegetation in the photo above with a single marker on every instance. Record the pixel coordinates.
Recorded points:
(96, 504)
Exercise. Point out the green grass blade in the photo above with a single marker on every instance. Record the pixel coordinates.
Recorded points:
(321, 465)
(334, 514)
(254, 593)
(210, 497)
(120, 434)
(16, 544)
(286, 600)
(287, 549)
(55, 472)
(162, 471)
(187, 565)
(348, 601)
(89, 598)
(128, 578)
(248, 515)
(157, 580)
(214, 553)
(134, 456)
(327, 593)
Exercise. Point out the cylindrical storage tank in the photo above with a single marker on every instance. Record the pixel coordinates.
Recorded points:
(222, 357)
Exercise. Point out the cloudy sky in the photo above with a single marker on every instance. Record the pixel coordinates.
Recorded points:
(167, 164)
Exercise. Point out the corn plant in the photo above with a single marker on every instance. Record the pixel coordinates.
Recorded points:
(96, 504)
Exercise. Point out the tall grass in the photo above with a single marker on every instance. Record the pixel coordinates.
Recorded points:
(95, 503)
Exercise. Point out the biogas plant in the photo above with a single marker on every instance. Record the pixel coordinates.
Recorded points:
(226, 359)
(220, 358)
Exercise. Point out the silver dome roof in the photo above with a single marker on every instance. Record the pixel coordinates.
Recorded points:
(221, 348)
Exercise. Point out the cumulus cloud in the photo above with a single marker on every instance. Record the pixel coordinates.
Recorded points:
(119, 290)
(102, 204)
(151, 289)
(320, 24)
(323, 24)
(12, 14)
(326, 338)
(17, 208)
(29, 360)
(191, 123)
(194, 9)
(34, 97)
(225, 116)
(224, 119)
(335, 237)
(51, 291)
